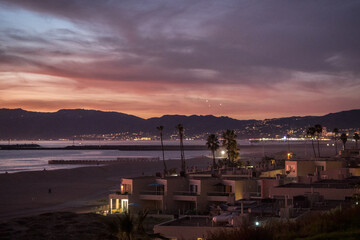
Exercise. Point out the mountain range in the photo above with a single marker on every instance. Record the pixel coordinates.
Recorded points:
(22, 124)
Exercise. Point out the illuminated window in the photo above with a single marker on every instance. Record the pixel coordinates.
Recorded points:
(124, 205)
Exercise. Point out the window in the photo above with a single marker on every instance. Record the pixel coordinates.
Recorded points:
(125, 188)
(193, 188)
(228, 188)
(124, 205)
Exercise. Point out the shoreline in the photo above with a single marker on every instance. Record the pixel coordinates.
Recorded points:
(34, 192)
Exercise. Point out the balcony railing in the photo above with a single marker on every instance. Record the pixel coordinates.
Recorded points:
(119, 192)
(255, 194)
(225, 194)
(186, 193)
(151, 193)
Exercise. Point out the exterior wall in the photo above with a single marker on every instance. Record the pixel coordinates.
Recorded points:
(355, 171)
(291, 168)
(196, 182)
(137, 185)
(338, 174)
(242, 187)
(135, 198)
(267, 185)
(272, 173)
(173, 185)
(330, 165)
(305, 167)
(300, 168)
(327, 193)
(247, 187)
(128, 182)
(207, 185)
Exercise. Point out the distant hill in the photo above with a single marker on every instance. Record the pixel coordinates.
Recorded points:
(18, 123)
(341, 120)
(21, 124)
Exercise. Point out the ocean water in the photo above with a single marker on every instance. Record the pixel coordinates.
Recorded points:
(35, 160)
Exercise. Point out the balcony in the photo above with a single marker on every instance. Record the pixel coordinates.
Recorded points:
(117, 194)
(255, 194)
(220, 196)
(152, 195)
(185, 196)
(186, 193)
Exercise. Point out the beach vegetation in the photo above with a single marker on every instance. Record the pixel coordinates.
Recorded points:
(344, 138)
(160, 129)
(213, 144)
(126, 226)
(230, 143)
(311, 131)
(356, 138)
(180, 129)
(318, 131)
(337, 223)
(336, 132)
(140, 220)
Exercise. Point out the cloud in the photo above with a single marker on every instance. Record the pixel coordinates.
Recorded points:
(229, 50)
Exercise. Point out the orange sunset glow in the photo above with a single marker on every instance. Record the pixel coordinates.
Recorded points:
(148, 59)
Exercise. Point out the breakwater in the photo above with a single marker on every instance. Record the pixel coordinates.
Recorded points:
(106, 147)
(96, 162)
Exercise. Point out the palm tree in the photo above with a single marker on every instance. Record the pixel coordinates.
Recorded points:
(356, 138)
(336, 132)
(161, 128)
(311, 131)
(288, 142)
(180, 128)
(318, 131)
(344, 138)
(212, 144)
(231, 145)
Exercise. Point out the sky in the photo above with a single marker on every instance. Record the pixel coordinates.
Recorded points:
(245, 59)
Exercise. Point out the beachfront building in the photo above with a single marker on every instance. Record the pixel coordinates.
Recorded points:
(198, 191)
(180, 194)
(231, 194)
(323, 190)
(146, 192)
(301, 167)
(350, 153)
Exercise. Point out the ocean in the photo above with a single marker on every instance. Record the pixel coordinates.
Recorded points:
(35, 160)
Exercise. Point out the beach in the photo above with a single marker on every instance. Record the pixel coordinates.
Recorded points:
(78, 189)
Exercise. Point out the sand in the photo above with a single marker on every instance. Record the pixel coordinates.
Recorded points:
(27, 193)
